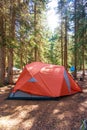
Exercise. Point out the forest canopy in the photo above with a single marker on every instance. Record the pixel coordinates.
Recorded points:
(25, 35)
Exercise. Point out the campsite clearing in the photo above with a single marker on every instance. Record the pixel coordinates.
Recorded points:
(63, 114)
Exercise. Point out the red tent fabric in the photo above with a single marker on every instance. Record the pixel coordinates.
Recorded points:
(40, 79)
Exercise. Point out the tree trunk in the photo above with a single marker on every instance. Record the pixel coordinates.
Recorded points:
(12, 35)
(62, 55)
(65, 46)
(35, 31)
(2, 65)
(75, 54)
(2, 50)
(10, 67)
(83, 57)
(21, 60)
(83, 47)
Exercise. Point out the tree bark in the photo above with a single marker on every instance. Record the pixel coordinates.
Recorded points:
(75, 54)
(35, 31)
(65, 46)
(2, 50)
(10, 49)
(62, 55)
(2, 65)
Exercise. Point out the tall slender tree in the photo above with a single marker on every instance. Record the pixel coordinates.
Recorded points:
(2, 42)
(12, 37)
(62, 5)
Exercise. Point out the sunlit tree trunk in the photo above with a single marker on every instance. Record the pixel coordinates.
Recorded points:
(62, 55)
(10, 49)
(65, 45)
(75, 54)
(35, 31)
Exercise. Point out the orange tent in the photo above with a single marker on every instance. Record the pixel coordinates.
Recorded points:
(44, 80)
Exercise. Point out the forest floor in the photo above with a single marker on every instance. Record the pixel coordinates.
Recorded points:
(66, 113)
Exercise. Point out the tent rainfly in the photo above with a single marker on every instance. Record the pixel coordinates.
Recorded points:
(40, 80)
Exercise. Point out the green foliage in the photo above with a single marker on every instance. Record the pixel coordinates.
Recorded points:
(30, 32)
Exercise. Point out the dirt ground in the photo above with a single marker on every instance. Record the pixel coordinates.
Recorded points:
(66, 113)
